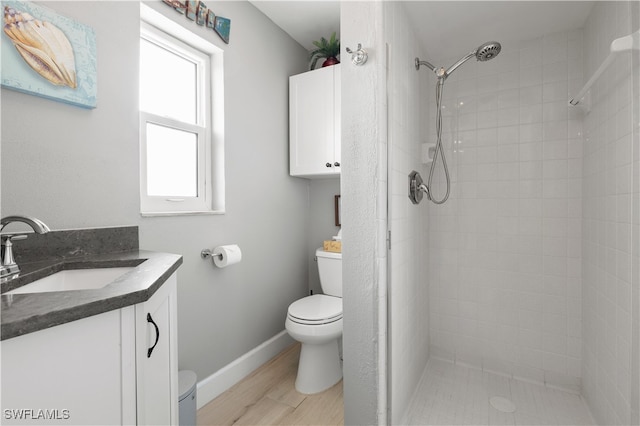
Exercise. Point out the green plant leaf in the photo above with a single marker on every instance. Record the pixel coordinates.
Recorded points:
(325, 49)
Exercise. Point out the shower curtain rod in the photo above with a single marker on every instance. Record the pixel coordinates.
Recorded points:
(622, 44)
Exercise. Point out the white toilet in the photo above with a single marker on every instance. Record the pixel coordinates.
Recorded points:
(316, 322)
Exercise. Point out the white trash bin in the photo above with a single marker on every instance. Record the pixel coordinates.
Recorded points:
(187, 401)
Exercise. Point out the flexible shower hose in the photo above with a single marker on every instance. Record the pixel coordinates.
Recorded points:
(427, 187)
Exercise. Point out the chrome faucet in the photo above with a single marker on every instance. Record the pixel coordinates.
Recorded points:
(9, 268)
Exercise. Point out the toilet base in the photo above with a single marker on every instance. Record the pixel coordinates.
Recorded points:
(319, 367)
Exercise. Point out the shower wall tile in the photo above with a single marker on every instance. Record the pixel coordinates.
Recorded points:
(408, 290)
(634, 305)
(610, 245)
(505, 250)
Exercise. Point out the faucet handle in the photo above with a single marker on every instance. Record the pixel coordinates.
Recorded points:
(9, 266)
(7, 238)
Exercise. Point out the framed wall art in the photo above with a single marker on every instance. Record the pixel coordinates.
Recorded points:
(178, 5)
(48, 55)
(192, 9)
(201, 16)
(199, 12)
(211, 18)
(223, 27)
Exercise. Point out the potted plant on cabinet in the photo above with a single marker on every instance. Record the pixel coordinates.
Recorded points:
(329, 49)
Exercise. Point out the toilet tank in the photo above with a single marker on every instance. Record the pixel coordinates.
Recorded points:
(330, 271)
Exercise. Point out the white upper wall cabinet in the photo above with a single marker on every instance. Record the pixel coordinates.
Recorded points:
(314, 123)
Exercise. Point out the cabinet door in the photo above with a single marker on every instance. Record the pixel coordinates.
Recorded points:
(312, 124)
(157, 368)
(67, 374)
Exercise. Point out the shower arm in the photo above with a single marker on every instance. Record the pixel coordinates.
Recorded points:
(453, 67)
(425, 63)
(441, 72)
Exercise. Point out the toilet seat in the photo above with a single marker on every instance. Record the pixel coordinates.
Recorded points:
(317, 309)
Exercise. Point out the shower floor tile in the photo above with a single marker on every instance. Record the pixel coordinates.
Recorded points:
(450, 394)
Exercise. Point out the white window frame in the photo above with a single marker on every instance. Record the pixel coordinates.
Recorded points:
(209, 121)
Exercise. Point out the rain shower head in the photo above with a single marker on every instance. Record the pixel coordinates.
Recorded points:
(488, 51)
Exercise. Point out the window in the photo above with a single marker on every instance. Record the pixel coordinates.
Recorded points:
(177, 146)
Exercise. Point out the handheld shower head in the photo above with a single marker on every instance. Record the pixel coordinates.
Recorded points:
(483, 53)
(488, 51)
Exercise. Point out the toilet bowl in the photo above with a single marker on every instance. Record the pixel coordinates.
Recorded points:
(316, 322)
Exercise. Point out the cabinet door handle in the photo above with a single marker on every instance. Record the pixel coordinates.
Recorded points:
(149, 319)
(336, 164)
(328, 164)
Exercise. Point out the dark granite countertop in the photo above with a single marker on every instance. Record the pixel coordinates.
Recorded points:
(26, 313)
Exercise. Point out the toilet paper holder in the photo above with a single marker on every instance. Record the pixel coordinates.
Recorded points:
(224, 255)
(209, 253)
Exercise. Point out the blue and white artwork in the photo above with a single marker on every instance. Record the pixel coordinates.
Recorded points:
(223, 27)
(48, 55)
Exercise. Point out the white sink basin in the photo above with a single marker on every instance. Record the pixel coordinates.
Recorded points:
(76, 279)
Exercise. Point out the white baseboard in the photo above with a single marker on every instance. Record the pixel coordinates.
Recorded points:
(212, 386)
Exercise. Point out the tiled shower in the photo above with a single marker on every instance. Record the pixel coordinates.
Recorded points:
(506, 247)
(611, 215)
(531, 269)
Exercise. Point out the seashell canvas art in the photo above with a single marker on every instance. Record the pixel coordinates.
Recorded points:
(43, 47)
(49, 55)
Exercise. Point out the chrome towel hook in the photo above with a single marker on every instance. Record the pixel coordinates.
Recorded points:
(359, 57)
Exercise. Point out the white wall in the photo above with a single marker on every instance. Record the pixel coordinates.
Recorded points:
(610, 210)
(76, 168)
(364, 208)
(505, 249)
(408, 286)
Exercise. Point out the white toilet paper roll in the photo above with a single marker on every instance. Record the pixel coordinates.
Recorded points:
(224, 256)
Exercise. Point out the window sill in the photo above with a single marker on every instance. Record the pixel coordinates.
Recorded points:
(186, 213)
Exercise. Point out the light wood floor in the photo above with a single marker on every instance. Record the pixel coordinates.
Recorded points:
(268, 397)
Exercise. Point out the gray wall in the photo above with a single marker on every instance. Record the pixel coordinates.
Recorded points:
(322, 216)
(69, 166)
(77, 168)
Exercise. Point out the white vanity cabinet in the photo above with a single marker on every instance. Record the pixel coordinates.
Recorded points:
(157, 358)
(96, 370)
(314, 123)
